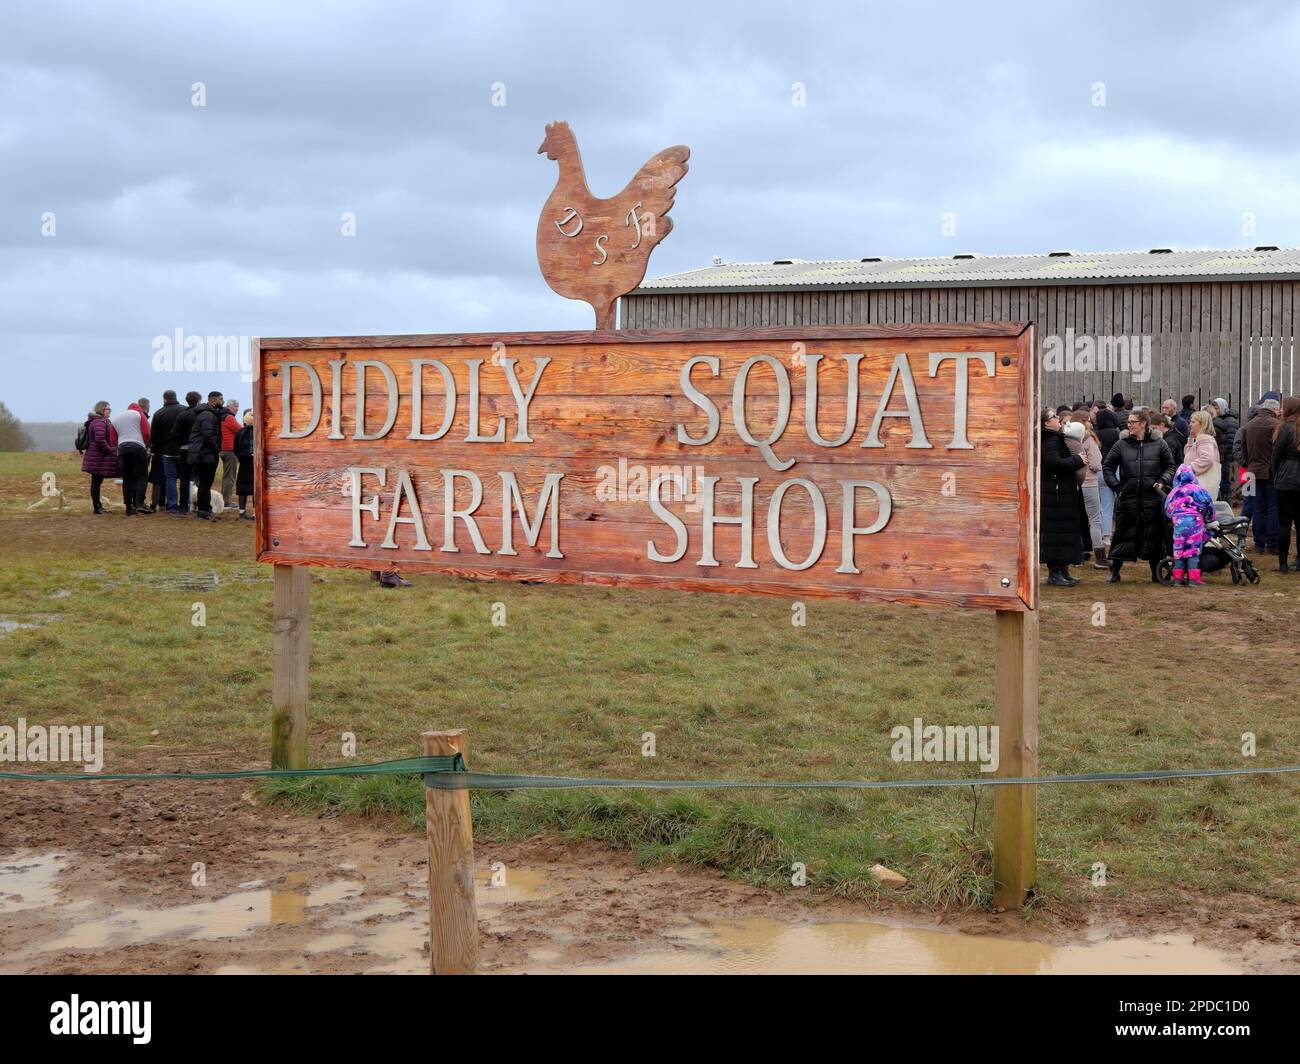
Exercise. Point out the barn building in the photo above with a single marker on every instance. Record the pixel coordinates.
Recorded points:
(1150, 324)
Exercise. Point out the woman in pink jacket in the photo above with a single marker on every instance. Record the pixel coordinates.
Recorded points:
(1202, 452)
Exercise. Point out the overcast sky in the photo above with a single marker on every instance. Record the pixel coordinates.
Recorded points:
(227, 219)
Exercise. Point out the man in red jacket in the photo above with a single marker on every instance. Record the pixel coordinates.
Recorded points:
(230, 427)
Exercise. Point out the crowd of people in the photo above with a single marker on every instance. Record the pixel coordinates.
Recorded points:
(177, 452)
(1125, 483)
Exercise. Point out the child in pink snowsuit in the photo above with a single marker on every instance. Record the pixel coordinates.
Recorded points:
(1190, 508)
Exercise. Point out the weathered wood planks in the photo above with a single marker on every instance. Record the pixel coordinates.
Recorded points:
(545, 463)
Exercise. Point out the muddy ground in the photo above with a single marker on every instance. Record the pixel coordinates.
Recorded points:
(97, 878)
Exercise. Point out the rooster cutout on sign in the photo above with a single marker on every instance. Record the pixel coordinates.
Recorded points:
(598, 249)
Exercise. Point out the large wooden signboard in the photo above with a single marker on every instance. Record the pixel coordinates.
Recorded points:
(890, 463)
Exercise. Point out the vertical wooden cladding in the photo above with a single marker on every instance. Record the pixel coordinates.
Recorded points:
(1235, 339)
(605, 416)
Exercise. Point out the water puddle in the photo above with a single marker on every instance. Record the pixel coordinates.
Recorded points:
(504, 886)
(233, 916)
(27, 880)
(765, 946)
(341, 928)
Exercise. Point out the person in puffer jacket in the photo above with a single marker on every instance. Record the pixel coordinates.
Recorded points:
(100, 459)
(1137, 469)
(1190, 507)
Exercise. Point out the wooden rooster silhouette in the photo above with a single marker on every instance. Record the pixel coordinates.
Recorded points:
(598, 249)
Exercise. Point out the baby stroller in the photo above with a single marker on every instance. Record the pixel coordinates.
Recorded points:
(1224, 548)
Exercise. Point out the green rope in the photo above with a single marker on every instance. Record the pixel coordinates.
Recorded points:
(449, 773)
(405, 766)
(492, 782)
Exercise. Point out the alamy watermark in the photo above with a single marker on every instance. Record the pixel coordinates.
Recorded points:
(1112, 354)
(70, 744)
(633, 483)
(77, 1017)
(951, 743)
(194, 353)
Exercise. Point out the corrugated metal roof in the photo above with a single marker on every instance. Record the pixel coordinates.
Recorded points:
(1057, 267)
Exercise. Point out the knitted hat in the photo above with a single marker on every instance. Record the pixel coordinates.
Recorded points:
(1117, 399)
(1074, 430)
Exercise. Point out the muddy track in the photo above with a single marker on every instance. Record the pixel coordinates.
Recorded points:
(97, 877)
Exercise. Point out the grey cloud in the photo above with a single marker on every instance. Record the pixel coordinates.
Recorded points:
(226, 219)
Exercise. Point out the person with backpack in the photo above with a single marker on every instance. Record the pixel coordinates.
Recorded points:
(204, 454)
(98, 442)
(178, 443)
(244, 452)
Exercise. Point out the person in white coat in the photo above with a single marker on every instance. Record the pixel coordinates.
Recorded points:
(1082, 439)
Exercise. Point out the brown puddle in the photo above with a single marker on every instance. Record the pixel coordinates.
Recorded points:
(27, 880)
(763, 946)
(387, 932)
(229, 917)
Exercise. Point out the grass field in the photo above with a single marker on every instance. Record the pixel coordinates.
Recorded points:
(730, 688)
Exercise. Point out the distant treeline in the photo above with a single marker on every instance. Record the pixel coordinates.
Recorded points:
(14, 435)
(51, 435)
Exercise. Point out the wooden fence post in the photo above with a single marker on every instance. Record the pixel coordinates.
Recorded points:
(453, 913)
(1015, 842)
(290, 658)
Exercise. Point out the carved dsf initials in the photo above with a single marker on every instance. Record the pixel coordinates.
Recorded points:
(633, 219)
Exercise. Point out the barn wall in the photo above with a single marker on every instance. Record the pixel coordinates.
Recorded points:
(1229, 339)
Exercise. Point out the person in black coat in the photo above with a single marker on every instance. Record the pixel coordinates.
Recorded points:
(1059, 545)
(1136, 470)
(160, 433)
(205, 449)
(1162, 428)
(178, 445)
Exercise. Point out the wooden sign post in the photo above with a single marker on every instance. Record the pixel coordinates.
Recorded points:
(449, 830)
(875, 463)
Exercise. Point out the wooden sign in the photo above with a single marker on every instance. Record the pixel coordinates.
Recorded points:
(597, 249)
(875, 462)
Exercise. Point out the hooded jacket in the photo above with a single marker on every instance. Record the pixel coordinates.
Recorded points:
(1190, 508)
(1108, 427)
(205, 435)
